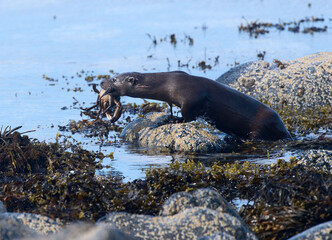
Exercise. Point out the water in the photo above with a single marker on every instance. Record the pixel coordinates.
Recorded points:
(61, 38)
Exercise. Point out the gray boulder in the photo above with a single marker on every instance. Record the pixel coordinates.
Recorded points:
(320, 232)
(11, 229)
(41, 224)
(2, 208)
(154, 131)
(300, 83)
(203, 197)
(193, 220)
(85, 231)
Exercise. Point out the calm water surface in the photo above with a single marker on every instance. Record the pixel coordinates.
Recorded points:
(60, 38)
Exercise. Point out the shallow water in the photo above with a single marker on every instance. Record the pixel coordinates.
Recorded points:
(61, 38)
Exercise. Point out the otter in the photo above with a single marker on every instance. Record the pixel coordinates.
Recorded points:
(229, 110)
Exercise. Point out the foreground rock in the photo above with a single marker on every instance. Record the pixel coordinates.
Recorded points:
(320, 232)
(201, 214)
(301, 83)
(200, 198)
(85, 231)
(37, 224)
(320, 160)
(15, 229)
(182, 218)
(154, 131)
(2, 208)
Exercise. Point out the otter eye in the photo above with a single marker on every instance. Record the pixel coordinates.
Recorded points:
(132, 80)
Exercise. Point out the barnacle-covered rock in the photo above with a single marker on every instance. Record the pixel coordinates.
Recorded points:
(319, 232)
(155, 131)
(300, 83)
(41, 224)
(184, 216)
(191, 223)
(319, 160)
(203, 197)
(85, 231)
(14, 229)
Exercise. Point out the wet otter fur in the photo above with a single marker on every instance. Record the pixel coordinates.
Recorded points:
(228, 109)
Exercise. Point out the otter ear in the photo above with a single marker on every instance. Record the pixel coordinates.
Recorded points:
(132, 80)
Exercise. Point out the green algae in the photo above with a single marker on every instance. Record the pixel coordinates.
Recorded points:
(310, 119)
(303, 121)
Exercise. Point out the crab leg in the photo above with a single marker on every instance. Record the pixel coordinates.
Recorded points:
(117, 112)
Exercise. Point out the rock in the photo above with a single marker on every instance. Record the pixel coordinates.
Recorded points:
(85, 231)
(203, 197)
(2, 208)
(320, 160)
(38, 223)
(154, 131)
(152, 120)
(11, 228)
(184, 216)
(320, 232)
(301, 83)
(218, 236)
(191, 223)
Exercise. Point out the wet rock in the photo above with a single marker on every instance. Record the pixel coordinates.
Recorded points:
(154, 131)
(38, 223)
(320, 160)
(190, 221)
(14, 229)
(152, 120)
(301, 83)
(203, 197)
(2, 208)
(319, 232)
(86, 231)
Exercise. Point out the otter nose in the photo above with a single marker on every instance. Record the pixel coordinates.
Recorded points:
(106, 84)
(103, 85)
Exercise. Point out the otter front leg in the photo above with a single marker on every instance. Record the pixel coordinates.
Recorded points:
(171, 109)
(174, 119)
(190, 112)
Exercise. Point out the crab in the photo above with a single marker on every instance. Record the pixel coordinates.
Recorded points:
(105, 103)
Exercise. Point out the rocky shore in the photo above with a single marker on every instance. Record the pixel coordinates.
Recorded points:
(51, 191)
(300, 90)
(202, 214)
(301, 83)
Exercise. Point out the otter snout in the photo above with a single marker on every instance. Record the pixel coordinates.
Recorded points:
(106, 84)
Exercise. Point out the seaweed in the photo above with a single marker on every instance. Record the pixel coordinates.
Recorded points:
(69, 189)
(256, 28)
(18, 154)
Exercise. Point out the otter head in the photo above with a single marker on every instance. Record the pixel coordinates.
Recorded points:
(121, 84)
